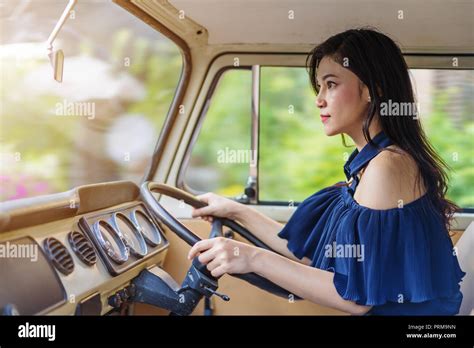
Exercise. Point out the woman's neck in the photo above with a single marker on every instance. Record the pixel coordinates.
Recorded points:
(358, 136)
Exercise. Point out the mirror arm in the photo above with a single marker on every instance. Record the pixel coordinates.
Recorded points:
(59, 24)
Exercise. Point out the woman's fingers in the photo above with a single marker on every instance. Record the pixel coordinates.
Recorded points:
(200, 247)
(196, 212)
(207, 256)
(204, 197)
(202, 211)
(208, 218)
(219, 271)
(213, 264)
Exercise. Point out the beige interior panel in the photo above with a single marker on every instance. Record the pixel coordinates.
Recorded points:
(296, 23)
(305, 21)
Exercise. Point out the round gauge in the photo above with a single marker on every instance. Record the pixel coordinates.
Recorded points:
(150, 231)
(131, 235)
(111, 242)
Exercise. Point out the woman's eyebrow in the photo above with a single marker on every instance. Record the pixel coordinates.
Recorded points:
(327, 76)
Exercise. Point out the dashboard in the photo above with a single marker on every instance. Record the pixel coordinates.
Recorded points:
(78, 260)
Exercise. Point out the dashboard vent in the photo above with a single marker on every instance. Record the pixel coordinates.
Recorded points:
(82, 247)
(58, 255)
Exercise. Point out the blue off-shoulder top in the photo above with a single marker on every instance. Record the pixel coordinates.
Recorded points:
(400, 261)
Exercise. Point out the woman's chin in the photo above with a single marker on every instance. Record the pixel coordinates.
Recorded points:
(330, 131)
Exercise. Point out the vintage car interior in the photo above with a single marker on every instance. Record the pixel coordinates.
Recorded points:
(118, 247)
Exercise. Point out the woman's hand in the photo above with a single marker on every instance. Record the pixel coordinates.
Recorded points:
(261, 226)
(223, 255)
(217, 206)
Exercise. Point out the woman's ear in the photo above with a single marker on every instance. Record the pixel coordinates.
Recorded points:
(365, 95)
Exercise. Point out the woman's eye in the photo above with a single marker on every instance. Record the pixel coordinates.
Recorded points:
(331, 84)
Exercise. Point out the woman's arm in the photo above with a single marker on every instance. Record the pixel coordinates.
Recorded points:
(222, 255)
(307, 282)
(266, 230)
(260, 225)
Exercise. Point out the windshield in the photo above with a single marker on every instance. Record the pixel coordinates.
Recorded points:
(101, 123)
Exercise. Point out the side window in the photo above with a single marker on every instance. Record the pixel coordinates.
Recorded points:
(220, 157)
(446, 103)
(297, 158)
(101, 123)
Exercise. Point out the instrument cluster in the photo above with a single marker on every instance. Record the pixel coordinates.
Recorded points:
(124, 237)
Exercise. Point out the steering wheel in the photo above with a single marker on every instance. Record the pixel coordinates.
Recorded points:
(147, 189)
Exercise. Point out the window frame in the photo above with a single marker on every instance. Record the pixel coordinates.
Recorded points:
(181, 182)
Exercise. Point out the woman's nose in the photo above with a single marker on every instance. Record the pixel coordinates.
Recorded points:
(320, 102)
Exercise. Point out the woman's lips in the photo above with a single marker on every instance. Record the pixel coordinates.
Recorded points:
(324, 118)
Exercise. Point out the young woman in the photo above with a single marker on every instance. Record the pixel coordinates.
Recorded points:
(379, 243)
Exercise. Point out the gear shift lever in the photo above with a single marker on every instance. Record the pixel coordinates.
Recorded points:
(158, 288)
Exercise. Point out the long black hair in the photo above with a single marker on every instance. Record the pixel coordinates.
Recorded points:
(379, 64)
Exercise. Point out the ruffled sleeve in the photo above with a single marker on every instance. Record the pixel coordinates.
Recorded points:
(397, 255)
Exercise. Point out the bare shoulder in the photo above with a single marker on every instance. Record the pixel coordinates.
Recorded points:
(389, 181)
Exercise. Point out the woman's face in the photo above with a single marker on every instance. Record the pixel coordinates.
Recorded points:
(342, 102)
